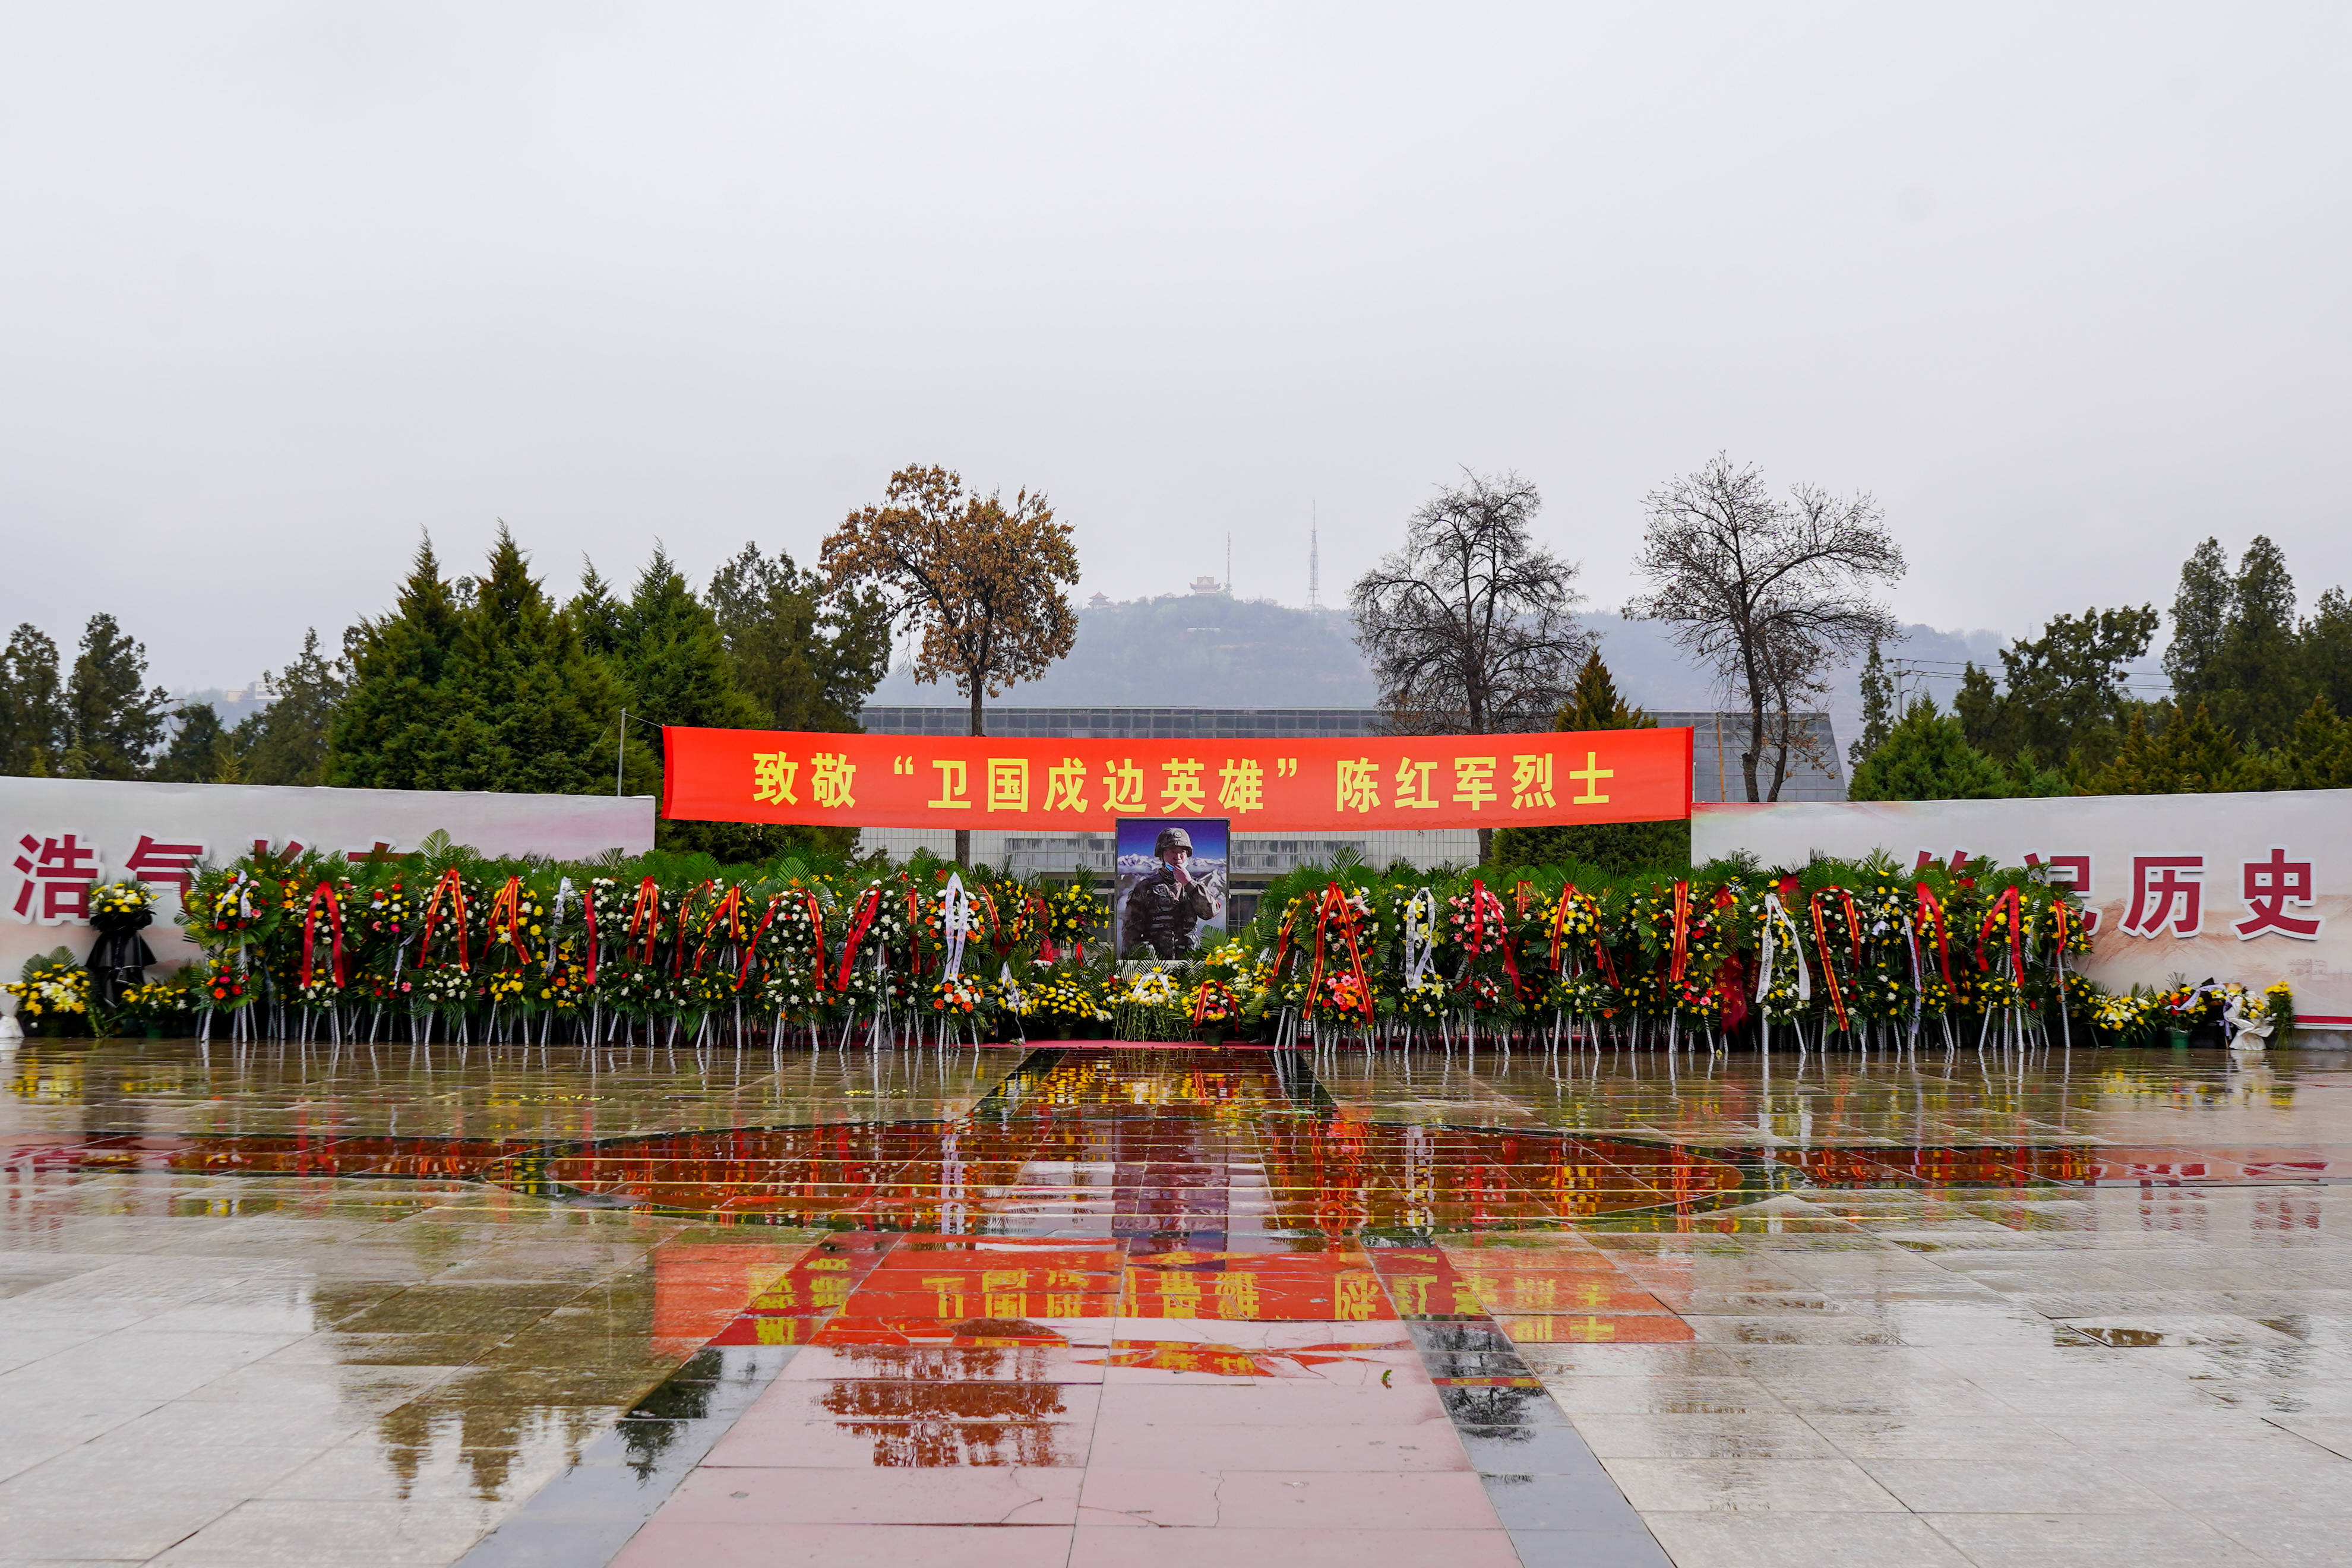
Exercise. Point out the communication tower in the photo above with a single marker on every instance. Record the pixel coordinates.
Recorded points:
(1314, 557)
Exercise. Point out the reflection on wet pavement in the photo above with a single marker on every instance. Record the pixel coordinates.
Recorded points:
(327, 1307)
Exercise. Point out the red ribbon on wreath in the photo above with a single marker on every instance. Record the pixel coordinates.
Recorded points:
(860, 923)
(1568, 897)
(453, 885)
(588, 904)
(647, 912)
(2010, 903)
(816, 936)
(1042, 913)
(1931, 916)
(1559, 937)
(1337, 908)
(1282, 942)
(1479, 898)
(335, 929)
(685, 925)
(1731, 977)
(751, 948)
(1679, 965)
(730, 910)
(509, 903)
(1821, 943)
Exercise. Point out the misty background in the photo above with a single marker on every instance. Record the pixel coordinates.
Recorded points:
(291, 284)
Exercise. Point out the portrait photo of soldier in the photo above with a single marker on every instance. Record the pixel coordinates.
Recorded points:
(1172, 894)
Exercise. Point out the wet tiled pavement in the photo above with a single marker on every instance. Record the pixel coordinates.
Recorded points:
(1096, 1305)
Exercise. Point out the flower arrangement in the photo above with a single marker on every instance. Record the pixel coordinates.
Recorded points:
(1152, 988)
(1434, 948)
(1065, 996)
(161, 1003)
(123, 901)
(1426, 1001)
(388, 911)
(959, 995)
(2127, 1013)
(1215, 1002)
(52, 986)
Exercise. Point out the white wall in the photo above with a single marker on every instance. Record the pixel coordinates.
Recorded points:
(2219, 843)
(106, 821)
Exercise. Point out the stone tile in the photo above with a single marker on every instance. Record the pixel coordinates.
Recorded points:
(1651, 1436)
(131, 1525)
(1119, 1548)
(663, 1543)
(2015, 1486)
(1742, 1486)
(2167, 1540)
(331, 1534)
(806, 1497)
(1284, 1499)
(1802, 1541)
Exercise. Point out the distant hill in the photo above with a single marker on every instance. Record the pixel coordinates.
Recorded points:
(1210, 651)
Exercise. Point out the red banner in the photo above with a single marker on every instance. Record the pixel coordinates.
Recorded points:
(1262, 785)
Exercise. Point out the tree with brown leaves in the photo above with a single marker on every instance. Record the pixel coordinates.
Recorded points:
(980, 582)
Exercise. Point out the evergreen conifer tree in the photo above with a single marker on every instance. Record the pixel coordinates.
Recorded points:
(1927, 757)
(197, 748)
(671, 653)
(286, 742)
(483, 687)
(597, 613)
(809, 656)
(1594, 703)
(115, 720)
(1877, 707)
(531, 708)
(2317, 754)
(2259, 671)
(2187, 753)
(33, 722)
(2200, 621)
(384, 731)
(2326, 644)
(1978, 707)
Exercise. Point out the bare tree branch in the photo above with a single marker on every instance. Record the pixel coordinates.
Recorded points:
(1767, 592)
(1471, 627)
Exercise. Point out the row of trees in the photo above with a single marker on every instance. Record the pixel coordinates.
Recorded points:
(2259, 699)
(491, 683)
(1471, 627)
(100, 720)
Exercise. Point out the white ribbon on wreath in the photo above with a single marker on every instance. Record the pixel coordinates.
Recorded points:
(1918, 974)
(1012, 997)
(955, 922)
(1776, 915)
(1420, 937)
(562, 891)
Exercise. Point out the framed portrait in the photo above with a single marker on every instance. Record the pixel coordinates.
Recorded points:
(1171, 893)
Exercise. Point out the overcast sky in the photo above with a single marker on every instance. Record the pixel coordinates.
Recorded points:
(284, 285)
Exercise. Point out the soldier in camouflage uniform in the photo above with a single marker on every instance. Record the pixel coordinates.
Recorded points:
(1163, 908)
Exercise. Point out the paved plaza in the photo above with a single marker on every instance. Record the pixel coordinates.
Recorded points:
(1093, 1304)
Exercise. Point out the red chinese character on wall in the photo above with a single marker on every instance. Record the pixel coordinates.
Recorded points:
(160, 863)
(2270, 886)
(57, 873)
(2166, 890)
